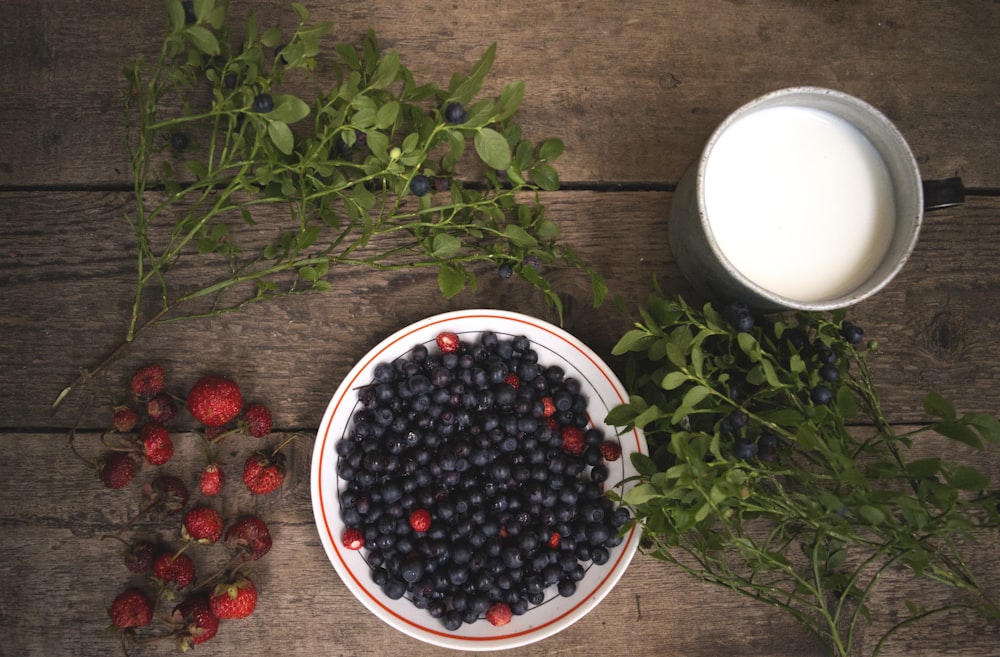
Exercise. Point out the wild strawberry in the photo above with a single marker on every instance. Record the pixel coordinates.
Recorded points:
(263, 474)
(173, 568)
(140, 556)
(448, 342)
(248, 539)
(420, 520)
(148, 382)
(212, 479)
(548, 407)
(131, 608)
(611, 450)
(156, 443)
(214, 400)
(551, 422)
(353, 539)
(198, 622)
(124, 419)
(236, 599)
(512, 380)
(572, 440)
(554, 540)
(257, 420)
(202, 524)
(117, 469)
(498, 614)
(162, 408)
(166, 492)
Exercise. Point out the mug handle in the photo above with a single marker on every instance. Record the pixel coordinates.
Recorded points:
(944, 193)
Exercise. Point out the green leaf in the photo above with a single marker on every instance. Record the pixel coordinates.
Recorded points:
(987, 425)
(175, 14)
(492, 148)
(451, 279)
(519, 236)
(445, 246)
(695, 395)
(674, 380)
(923, 468)
(281, 135)
(203, 39)
(644, 465)
(288, 109)
(386, 115)
(510, 100)
(550, 149)
(938, 406)
(466, 88)
(545, 177)
(385, 72)
(957, 431)
(873, 515)
(633, 340)
(640, 494)
(965, 477)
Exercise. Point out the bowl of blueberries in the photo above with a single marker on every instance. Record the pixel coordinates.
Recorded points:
(460, 480)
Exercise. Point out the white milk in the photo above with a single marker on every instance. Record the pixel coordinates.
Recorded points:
(800, 202)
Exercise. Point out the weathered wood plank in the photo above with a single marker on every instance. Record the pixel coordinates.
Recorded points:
(633, 92)
(65, 269)
(57, 576)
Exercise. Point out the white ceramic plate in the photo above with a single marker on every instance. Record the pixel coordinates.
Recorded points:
(554, 347)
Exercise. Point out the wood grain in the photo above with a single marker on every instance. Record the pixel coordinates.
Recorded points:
(633, 92)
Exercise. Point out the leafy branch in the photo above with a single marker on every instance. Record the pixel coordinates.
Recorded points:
(365, 175)
(757, 479)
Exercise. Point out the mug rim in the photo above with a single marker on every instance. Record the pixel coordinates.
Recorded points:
(899, 251)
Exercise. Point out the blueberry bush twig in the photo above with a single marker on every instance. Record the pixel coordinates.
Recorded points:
(757, 479)
(366, 174)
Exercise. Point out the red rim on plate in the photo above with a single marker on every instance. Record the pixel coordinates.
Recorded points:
(554, 347)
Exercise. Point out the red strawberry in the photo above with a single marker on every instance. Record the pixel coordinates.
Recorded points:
(554, 540)
(178, 569)
(249, 538)
(148, 382)
(236, 599)
(572, 440)
(212, 479)
(611, 450)
(124, 419)
(263, 474)
(420, 520)
(139, 557)
(156, 443)
(353, 539)
(448, 342)
(200, 624)
(512, 380)
(202, 524)
(548, 406)
(131, 608)
(257, 420)
(117, 469)
(162, 408)
(498, 614)
(214, 400)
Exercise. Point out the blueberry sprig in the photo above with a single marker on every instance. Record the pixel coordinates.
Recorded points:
(764, 478)
(365, 174)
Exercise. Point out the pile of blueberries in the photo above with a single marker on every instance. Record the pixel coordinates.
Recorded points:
(471, 439)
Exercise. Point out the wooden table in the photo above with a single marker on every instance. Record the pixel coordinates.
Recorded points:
(633, 89)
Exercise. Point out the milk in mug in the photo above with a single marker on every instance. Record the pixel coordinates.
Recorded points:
(799, 201)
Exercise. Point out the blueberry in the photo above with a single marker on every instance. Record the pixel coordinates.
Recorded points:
(821, 394)
(179, 141)
(744, 449)
(505, 270)
(420, 185)
(189, 15)
(263, 103)
(454, 113)
(851, 332)
(738, 314)
(829, 372)
(229, 80)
